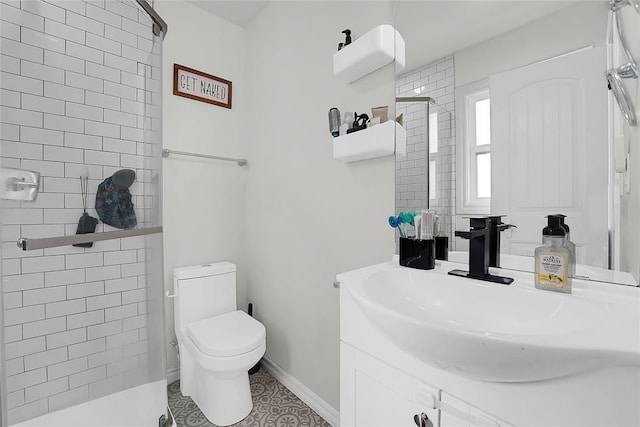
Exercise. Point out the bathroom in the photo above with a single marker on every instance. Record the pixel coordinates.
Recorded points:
(291, 219)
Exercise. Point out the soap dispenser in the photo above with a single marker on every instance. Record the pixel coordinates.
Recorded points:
(347, 40)
(570, 245)
(552, 258)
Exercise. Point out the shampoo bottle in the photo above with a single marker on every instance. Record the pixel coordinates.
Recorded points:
(552, 258)
(570, 245)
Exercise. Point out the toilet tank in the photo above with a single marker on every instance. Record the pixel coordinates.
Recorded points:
(203, 291)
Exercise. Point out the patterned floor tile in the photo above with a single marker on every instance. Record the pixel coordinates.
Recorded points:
(273, 406)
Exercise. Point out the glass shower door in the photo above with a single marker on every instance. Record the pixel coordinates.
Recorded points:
(83, 313)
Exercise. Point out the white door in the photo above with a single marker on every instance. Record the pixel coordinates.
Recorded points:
(550, 152)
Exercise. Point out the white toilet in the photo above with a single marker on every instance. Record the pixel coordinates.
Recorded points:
(218, 344)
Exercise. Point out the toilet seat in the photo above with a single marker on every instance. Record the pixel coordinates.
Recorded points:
(227, 335)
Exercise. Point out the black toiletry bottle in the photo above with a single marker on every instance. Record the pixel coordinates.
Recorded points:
(347, 40)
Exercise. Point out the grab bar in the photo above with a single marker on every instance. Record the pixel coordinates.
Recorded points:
(54, 242)
(241, 162)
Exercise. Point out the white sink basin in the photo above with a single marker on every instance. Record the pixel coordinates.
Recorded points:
(493, 332)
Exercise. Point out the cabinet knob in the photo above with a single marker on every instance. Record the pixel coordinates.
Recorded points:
(422, 420)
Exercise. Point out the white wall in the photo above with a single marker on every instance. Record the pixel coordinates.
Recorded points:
(203, 199)
(310, 217)
(579, 25)
(630, 203)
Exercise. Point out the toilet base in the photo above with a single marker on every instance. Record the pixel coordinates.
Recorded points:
(224, 397)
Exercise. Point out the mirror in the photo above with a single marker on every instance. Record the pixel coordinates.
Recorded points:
(510, 116)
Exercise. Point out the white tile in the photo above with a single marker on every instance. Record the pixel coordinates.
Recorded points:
(9, 98)
(49, 357)
(119, 285)
(134, 323)
(68, 124)
(64, 31)
(24, 347)
(120, 36)
(47, 389)
(10, 30)
(133, 162)
(84, 23)
(18, 116)
(22, 282)
(122, 9)
(69, 367)
(74, 170)
(42, 72)
(26, 379)
(85, 319)
(66, 277)
(65, 93)
(120, 63)
(101, 158)
(42, 40)
(84, 260)
(105, 387)
(46, 263)
(104, 101)
(103, 301)
(102, 72)
(106, 357)
(85, 290)
(28, 411)
(42, 104)
(62, 154)
(21, 150)
(145, 44)
(121, 312)
(120, 257)
(104, 329)
(66, 338)
(132, 134)
(65, 308)
(102, 129)
(102, 15)
(133, 243)
(83, 52)
(41, 136)
(69, 398)
(12, 300)
(70, 5)
(15, 399)
(117, 117)
(119, 90)
(21, 17)
(83, 82)
(9, 132)
(11, 266)
(123, 366)
(62, 216)
(14, 366)
(78, 140)
(137, 28)
(21, 50)
(22, 216)
(119, 145)
(103, 44)
(122, 339)
(87, 377)
(22, 315)
(46, 10)
(87, 348)
(44, 295)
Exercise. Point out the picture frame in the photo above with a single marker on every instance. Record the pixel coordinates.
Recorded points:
(199, 86)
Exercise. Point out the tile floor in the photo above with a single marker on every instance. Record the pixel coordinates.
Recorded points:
(273, 406)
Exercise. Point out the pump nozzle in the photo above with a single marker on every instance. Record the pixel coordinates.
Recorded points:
(347, 39)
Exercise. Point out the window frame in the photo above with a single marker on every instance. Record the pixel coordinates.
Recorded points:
(467, 201)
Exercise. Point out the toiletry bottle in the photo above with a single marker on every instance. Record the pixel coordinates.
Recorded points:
(334, 122)
(552, 259)
(346, 123)
(570, 245)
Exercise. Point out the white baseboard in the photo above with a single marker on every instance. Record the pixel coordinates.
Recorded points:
(315, 402)
(173, 375)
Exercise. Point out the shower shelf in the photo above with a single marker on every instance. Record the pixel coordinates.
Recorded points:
(375, 49)
(54, 242)
(377, 141)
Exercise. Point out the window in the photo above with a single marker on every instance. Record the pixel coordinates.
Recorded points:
(473, 105)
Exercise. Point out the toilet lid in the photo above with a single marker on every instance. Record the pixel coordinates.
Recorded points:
(229, 334)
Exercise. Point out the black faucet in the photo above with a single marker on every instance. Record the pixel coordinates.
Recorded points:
(481, 247)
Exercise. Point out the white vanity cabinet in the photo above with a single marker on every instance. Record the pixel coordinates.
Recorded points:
(376, 394)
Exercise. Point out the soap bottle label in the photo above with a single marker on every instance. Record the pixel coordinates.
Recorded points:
(552, 270)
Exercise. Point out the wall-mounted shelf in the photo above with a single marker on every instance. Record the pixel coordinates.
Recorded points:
(377, 141)
(375, 49)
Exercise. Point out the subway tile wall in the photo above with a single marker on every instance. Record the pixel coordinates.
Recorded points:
(80, 94)
(436, 80)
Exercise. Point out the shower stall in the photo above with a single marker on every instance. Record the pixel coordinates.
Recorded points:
(83, 314)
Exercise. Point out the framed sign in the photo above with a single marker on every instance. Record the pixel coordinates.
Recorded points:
(200, 86)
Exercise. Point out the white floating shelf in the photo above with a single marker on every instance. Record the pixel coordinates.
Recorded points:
(375, 49)
(377, 141)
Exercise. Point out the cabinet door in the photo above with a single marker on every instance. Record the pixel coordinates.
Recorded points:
(373, 393)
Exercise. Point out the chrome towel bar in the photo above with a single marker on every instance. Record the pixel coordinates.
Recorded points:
(54, 242)
(241, 162)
